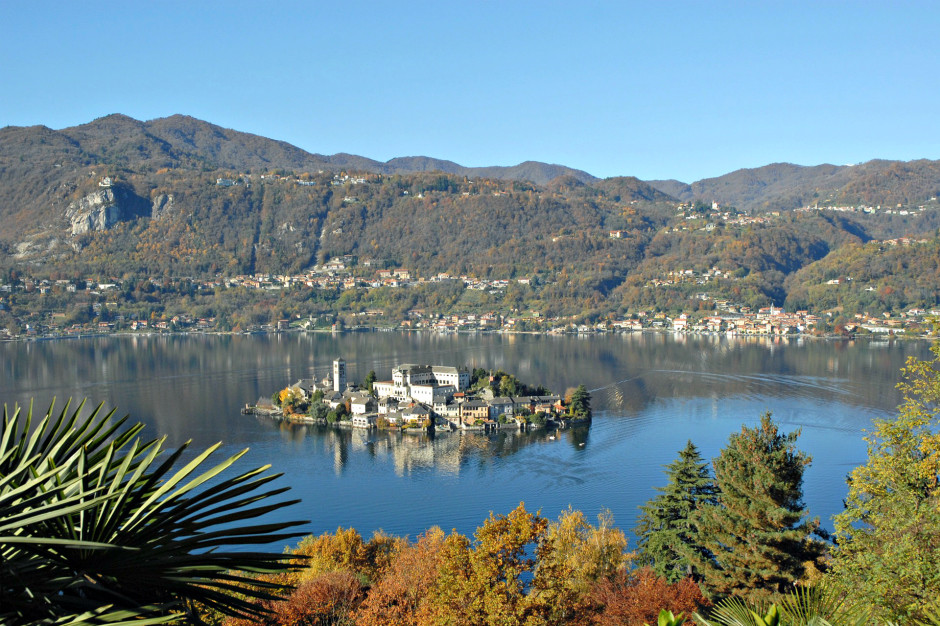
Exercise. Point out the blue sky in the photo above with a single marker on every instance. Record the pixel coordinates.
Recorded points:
(681, 90)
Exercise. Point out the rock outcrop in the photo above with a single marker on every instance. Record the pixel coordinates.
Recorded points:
(98, 210)
(162, 205)
(102, 209)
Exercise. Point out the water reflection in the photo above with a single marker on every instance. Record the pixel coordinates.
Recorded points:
(407, 452)
(651, 392)
(192, 386)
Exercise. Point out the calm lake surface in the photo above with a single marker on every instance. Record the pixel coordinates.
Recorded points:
(650, 392)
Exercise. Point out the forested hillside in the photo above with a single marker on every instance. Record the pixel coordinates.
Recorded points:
(123, 201)
(876, 277)
(784, 186)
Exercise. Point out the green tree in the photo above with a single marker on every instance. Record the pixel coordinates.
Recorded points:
(98, 527)
(888, 552)
(665, 531)
(318, 410)
(756, 537)
(581, 402)
(508, 386)
(369, 380)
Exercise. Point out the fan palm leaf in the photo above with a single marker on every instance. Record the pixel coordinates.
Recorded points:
(96, 523)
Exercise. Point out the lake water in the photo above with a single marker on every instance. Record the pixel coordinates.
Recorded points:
(651, 393)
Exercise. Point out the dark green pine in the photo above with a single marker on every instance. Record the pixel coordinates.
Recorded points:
(666, 536)
(757, 536)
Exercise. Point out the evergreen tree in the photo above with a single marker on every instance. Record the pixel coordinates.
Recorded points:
(665, 532)
(369, 380)
(757, 536)
(888, 554)
(581, 402)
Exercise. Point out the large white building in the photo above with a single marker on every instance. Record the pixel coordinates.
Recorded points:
(432, 394)
(424, 383)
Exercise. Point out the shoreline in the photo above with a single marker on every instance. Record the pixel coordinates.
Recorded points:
(375, 329)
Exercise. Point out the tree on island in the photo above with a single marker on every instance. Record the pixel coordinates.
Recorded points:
(666, 533)
(756, 538)
(508, 386)
(887, 555)
(340, 413)
(580, 402)
(369, 381)
(318, 410)
(479, 377)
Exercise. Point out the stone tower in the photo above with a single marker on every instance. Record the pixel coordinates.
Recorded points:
(339, 375)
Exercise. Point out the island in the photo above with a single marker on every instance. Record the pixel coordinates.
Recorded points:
(423, 398)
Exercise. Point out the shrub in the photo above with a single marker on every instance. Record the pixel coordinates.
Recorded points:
(637, 597)
(330, 598)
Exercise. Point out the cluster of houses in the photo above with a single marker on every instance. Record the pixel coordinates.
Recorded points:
(336, 274)
(898, 209)
(421, 396)
(767, 321)
(687, 276)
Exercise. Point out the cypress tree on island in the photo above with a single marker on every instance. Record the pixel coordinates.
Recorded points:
(581, 402)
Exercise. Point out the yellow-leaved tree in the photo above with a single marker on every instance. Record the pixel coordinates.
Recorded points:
(888, 553)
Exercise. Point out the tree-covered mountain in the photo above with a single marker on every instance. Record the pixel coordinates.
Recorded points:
(183, 141)
(877, 277)
(119, 199)
(782, 186)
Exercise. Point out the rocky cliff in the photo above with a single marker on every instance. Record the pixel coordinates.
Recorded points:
(105, 207)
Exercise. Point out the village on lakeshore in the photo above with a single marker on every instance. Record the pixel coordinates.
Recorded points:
(426, 398)
(726, 317)
(715, 315)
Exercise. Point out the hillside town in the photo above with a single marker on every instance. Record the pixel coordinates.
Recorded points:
(425, 398)
(68, 307)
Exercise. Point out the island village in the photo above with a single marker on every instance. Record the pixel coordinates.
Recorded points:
(423, 398)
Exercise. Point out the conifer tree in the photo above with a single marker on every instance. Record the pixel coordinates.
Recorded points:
(581, 402)
(756, 535)
(665, 532)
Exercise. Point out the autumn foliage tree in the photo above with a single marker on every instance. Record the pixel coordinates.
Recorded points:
(888, 554)
(486, 581)
(522, 569)
(327, 599)
(636, 597)
(397, 598)
(572, 557)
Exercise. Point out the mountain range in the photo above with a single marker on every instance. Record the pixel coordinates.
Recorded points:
(177, 196)
(183, 141)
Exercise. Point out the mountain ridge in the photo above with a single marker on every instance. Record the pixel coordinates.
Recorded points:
(175, 198)
(184, 141)
(783, 186)
(173, 138)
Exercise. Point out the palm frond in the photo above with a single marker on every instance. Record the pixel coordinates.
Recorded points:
(98, 527)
